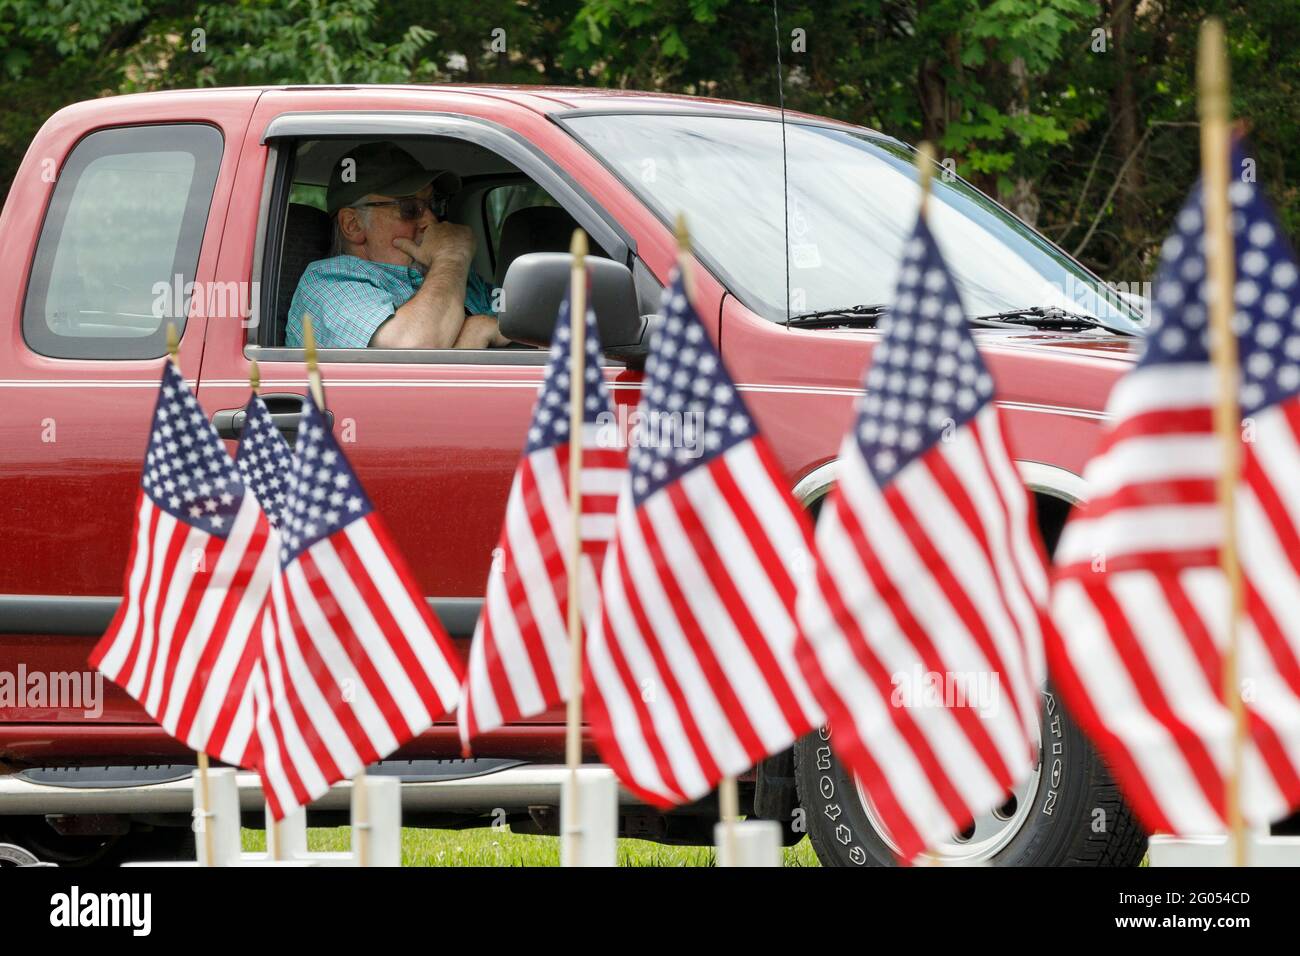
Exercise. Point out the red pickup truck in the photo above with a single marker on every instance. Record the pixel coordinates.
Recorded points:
(205, 207)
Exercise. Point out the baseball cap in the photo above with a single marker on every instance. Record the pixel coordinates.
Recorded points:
(383, 169)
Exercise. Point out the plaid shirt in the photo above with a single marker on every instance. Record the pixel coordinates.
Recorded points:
(348, 298)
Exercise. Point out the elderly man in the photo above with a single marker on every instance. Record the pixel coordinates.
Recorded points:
(399, 278)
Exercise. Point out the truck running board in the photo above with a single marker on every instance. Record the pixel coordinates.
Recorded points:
(514, 786)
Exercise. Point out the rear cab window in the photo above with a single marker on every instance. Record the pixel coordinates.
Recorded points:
(121, 241)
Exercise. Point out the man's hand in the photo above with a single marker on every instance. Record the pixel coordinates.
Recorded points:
(442, 241)
(480, 332)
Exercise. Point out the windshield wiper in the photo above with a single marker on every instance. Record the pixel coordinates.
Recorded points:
(1039, 315)
(864, 316)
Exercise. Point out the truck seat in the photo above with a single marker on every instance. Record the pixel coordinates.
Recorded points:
(307, 236)
(534, 229)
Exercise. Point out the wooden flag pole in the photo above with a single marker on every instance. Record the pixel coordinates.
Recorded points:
(729, 811)
(925, 169)
(577, 398)
(274, 847)
(684, 255)
(313, 369)
(205, 790)
(205, 794)
(360, 821)
(1214, 108)
(924, 179)
(728, 791)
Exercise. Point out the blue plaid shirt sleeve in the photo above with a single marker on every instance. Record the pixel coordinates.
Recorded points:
(348, 299)
(478, 295)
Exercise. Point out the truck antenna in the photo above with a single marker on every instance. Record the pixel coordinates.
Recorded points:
(785, 167)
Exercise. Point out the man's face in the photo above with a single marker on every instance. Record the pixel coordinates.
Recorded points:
(372, 233)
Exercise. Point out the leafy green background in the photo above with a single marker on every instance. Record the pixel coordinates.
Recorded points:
(1096, 146)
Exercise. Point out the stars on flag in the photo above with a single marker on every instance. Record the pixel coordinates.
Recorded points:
(690, 403)
(264, 460)
(550, 426)
(324, 494)
(1267, 317)
(187, 472)
(926, 377)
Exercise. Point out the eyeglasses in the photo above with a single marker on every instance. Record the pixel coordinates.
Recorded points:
(409, 208)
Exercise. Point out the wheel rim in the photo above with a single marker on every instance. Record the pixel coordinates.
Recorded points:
(11, 855)
(990, 833)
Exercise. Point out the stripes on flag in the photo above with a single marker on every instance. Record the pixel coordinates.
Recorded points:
(519, 660)
(928, 564)
(1139, 599)
(183, 642)
(690, 672)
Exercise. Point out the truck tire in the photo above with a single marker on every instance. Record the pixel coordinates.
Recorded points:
(1068, 814)
(142, 844)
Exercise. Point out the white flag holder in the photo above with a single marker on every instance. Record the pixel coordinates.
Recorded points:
(379, 829)
(592, 839)
(1217, 850)
(217, 823)
(750, 842)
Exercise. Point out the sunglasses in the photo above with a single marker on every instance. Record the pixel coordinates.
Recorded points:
(411, 208)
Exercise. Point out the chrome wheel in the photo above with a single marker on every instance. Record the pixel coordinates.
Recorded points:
(11, 855)
(983, 839)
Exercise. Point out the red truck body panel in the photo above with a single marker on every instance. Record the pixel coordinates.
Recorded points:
(435, 445)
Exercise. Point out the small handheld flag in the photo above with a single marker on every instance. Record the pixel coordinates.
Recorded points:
(196, 581)
(690, 673)
(519, 660)
(929, 578)
(355, 664)
(1140, 600)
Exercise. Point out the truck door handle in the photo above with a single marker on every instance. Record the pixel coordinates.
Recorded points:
(285, 408)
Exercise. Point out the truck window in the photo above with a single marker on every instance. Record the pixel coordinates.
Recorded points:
(510, 213)
(121, 241)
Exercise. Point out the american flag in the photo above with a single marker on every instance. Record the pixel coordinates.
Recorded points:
(264, 459)
(923, 624)
(354, 663)
(1139, 599)
(690, 672)
(519, 660)
(196, 581)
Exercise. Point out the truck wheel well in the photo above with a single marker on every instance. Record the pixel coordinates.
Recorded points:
(1051, 511)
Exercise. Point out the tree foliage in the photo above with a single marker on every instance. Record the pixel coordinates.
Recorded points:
(1078, 114)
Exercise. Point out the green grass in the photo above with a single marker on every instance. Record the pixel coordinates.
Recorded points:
(501, 847)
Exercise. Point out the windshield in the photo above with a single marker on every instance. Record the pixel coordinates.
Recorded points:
(852, 204)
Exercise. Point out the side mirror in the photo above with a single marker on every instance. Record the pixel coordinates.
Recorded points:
(536, 284)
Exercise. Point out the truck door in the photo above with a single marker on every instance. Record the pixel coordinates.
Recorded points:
(105, 244)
